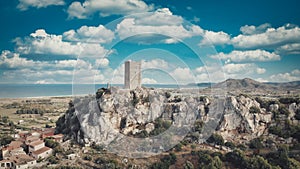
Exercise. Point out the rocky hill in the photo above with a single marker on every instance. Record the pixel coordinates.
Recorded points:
(119, 119)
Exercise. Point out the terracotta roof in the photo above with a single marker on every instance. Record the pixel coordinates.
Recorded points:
(42, 150)
(21, 159)
(15, 144)
(32, 138)
(5, 161)
(38, 142)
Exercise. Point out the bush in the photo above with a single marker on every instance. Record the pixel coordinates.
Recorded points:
(230, 144)
(53, 160)
(254, 109)
(258, 162)
(178, 147)
(5, 139)
(165, 162)
(188, 165)
(87, 158)
(167, 94)
(256, 144)
(216, 139)
(237, 158)
(51, 143)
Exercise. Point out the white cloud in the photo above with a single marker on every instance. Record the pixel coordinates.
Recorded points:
(101, 63)
(41, 42)
(90, 34)
(270, 38)
(215, 74)
(260, 70)
(13, 60)
(242, 69)
(106, 8)
(161, 21)
(286, 77)
(251, 30)
(250, 55)
(25, 4)
(215, 38)
(148, 81)
(155, 64)
(293, 48)
(183, 75)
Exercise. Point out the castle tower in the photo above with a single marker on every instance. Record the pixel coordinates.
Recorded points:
(133, 75)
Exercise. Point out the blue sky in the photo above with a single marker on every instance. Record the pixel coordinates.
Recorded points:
(62, 41)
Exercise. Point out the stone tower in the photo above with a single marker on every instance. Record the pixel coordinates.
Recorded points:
(133, 75)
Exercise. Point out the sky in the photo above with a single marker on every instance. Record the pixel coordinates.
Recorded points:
(87, 41)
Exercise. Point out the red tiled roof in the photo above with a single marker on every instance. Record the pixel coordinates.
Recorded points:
(38, 142)
(42, 150)
(15, 144)
(21, 159)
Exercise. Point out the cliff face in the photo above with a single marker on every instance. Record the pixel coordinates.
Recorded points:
(243, 118)
(123, 112)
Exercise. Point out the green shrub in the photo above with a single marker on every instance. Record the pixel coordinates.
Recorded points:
(256, 144)
(230, 144)
(254, 109)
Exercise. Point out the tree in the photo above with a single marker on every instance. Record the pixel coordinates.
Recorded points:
(230, 145)
(5, 119)
(256, 144)
(216, 139)
(216, 163)
(188, 165)
(5, 139)
(258, 162)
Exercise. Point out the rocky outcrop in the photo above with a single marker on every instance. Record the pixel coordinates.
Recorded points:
(239, 122)
(115, 113)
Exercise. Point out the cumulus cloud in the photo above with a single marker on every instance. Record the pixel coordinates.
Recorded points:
(92, 34)
(215, 74)
(162, 21)
(12, 60)
(25, 4)
(106, 7)
(148, 81)
(286, 77)
(250, 55)
(41, 42)
(103, 62)
(293, 48)
(215, 38)
(251, 30)
(253, 37)
(183, 75)
(242, 69)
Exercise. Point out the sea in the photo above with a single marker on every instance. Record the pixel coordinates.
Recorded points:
(51, 90)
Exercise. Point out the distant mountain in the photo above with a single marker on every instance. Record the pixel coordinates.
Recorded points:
(243, 84)
(288, 85)
(252, 86)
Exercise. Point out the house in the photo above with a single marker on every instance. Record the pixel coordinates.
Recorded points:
(5, 164)
(13, 148)
(58, 138)
(30, 139)
(71, 156)
(42, 153)
(21, 161)
(36, 145)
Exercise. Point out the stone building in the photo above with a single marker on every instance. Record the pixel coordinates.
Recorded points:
(133, 74)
